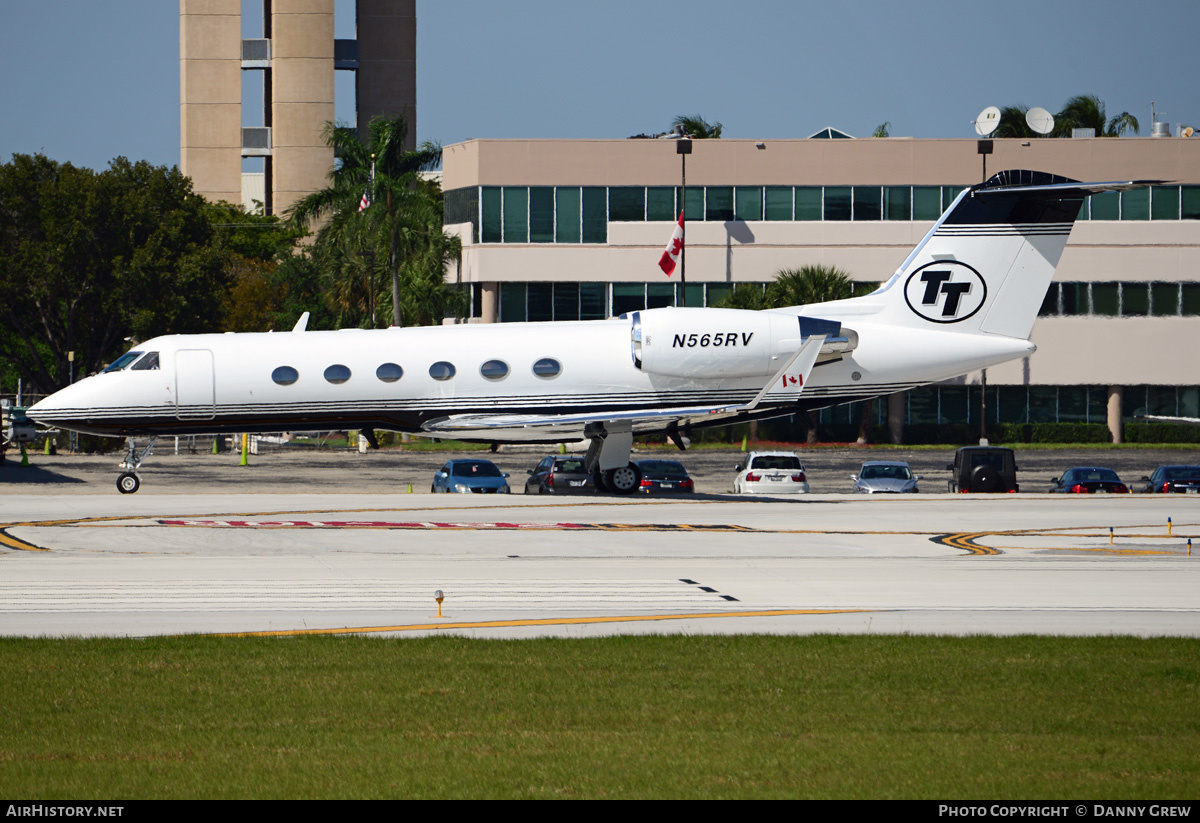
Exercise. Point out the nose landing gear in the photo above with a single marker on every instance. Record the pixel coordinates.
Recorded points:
(128, 482)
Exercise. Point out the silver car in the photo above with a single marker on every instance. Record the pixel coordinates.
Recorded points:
(885, 477)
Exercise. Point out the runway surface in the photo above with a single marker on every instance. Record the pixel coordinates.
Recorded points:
(527, 566)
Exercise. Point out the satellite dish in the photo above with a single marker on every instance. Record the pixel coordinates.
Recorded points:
(1188, 131)
(1040, 120)
(987, 121)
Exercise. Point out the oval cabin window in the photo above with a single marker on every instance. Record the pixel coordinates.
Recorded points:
(547, 367)
(337, 374)
(494, 370)
(441, 370)
(389, 372)
(285, 375)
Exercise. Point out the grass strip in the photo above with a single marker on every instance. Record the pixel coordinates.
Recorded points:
(618, 717)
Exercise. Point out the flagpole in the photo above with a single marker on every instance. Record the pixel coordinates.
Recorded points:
(683, 146)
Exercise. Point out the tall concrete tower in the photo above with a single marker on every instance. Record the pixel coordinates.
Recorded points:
(297, 55)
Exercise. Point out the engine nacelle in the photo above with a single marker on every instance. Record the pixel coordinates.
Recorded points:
(681, 342)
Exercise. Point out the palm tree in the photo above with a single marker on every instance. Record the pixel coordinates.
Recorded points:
(1013, 123)
(697, 127)
(402, 221)
(882, 129)
(1086, 111)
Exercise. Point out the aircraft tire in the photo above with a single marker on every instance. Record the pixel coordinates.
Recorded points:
(624, 480)
(128, 483)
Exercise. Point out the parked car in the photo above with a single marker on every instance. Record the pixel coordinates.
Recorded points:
(885, 477)
(559, 474)
(1089, 480)
(983, 469)
(666, 476)
(469, 477)
(1173, 480)
(770, 473)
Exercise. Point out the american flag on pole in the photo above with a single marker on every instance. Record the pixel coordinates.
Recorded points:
(366, 198)
(670, 256)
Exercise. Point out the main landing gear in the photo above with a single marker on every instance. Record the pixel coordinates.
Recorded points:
(608, 459)
(128, 482)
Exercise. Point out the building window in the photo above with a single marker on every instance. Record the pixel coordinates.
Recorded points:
(567, 215)
(809, 203)
(777, 202)
(718, 203)
(748, 203)
(491, 215)
(516, 214)
(660, 203)
(897, 203)
(541, 214)
(626, 203)
(1164, 203)
(927, 202)
(868, 203)
(1135, 204)
(838, 203)
(595, 214)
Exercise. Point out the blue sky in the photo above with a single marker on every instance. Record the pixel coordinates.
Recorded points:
(87, 81)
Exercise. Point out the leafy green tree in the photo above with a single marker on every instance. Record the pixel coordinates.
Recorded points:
(1086, 111)
(882, 129)
(697, 127)
(90, 259)
(399, 234)
(1013, 123)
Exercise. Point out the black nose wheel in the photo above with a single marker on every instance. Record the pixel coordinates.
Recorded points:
(128, 483)
(624, 480)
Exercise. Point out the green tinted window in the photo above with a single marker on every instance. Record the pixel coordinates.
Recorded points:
(1072, 404)
(923, 405)
(1049, 302)
(566, 301)
(692, 295)
(693, 200)
(716, 292)
(1189, 401)
(492, 221)
(808, 203)
(592, 301)
(897, 203)
(927, 202)
(837, 203)
(1075, 299)
(1190, 299)
(1161, 400)
(660, 203)
(749, 202)
(1012, 404)
(1164, 298)
(512, 302)
(1164, 203)
(1097, 404)
(778, 202)
(659, 295)
(541, 214)
(539, 302)
(1135, 299)
(868, 203)
(567, 214)
(1189, 207)
(516, 214)
(626, 203)
(1105, 299)
(718, 203)
(948, 195)
(627, 297)
(954, 404)
(1135, 204)
(595, 214)
(1043, 404)
(1106, 206)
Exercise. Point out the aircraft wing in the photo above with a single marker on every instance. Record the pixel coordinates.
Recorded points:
(792, 377)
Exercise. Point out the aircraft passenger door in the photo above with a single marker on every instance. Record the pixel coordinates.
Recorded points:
(195, 385)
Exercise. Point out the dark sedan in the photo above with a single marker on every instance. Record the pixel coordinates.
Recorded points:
(1173, 480)
(556, 475)
(1089, 480)
(667, 476)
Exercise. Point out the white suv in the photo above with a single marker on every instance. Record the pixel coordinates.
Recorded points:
(771, 473)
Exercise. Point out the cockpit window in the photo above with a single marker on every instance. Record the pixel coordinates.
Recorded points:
(147, 363)
(123, 361)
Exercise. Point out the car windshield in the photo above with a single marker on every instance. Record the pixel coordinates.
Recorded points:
(886, 473)
(668, 467)
(122, 361)
(1181, 472)
(776, 461)
(569, 466)
(480, 468)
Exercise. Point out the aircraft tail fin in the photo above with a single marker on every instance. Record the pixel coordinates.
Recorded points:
(986, 264)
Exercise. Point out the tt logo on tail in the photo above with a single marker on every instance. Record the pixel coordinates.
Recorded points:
(945, 291)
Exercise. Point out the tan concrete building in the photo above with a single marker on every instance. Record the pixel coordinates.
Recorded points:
(297, 55)
(569, 229)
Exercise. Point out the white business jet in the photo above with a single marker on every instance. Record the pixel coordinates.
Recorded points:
(964, 299)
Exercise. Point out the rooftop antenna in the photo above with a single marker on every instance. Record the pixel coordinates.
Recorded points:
(1040, 120)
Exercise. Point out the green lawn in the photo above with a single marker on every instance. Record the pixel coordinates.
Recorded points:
(743, 716)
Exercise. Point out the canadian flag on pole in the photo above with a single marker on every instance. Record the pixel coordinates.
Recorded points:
(670, 255)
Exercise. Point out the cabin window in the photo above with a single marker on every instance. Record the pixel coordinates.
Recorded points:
(494, 370)
(441, 370)
(337, 374)
(547, 367)
(285, 375)
(389, 372)
(147, 363)
(123, 361)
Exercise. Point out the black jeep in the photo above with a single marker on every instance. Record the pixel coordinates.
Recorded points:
(983, 469)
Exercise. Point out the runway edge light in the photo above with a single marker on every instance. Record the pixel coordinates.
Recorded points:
(439, 597)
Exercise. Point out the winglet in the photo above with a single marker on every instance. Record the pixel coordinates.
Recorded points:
(302, 323)
(794, 372)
